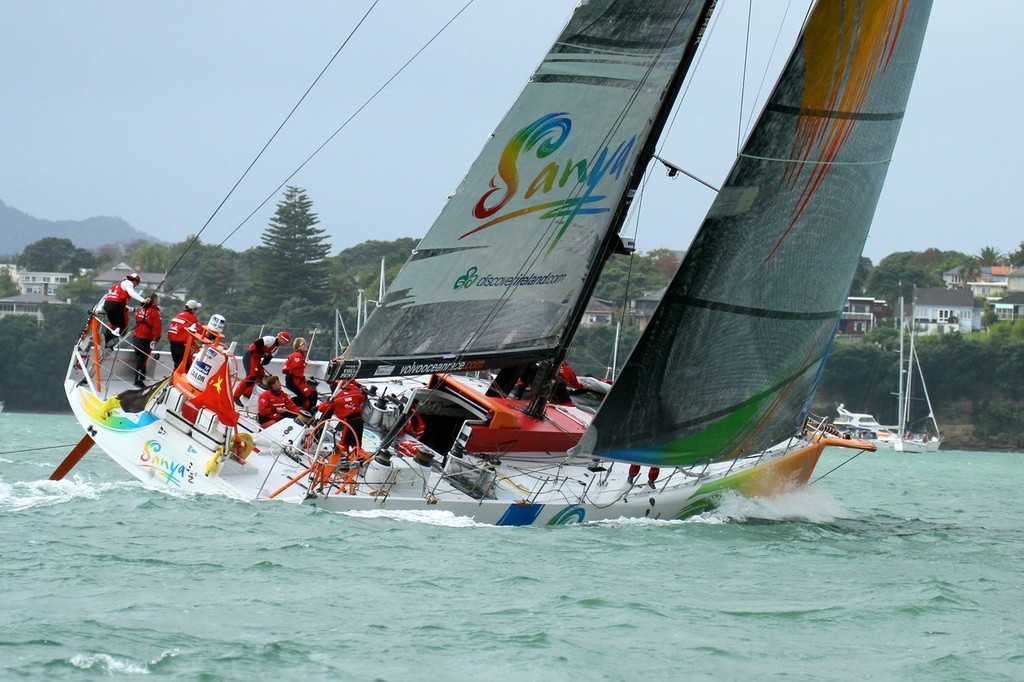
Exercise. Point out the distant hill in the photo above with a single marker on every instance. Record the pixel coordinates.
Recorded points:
(18, 230)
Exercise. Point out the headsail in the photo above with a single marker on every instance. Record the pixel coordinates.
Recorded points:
(500, 276)
(732, 357)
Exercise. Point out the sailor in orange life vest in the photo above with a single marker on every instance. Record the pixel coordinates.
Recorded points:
(295, 376)
(146, 336)
(115, 306)
(274, 404)
(347, 405)
(178, 333)
(259, 353)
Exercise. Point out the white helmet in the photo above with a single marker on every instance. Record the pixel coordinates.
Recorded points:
(193, 304)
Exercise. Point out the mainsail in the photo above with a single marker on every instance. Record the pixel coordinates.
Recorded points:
(502, 275)
(731, 359)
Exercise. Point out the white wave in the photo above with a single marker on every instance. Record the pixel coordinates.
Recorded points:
(809, 503)
(630, 521)
(111, 665)
(428, 516)
(22, 495)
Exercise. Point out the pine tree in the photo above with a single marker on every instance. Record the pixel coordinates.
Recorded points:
(292, 262)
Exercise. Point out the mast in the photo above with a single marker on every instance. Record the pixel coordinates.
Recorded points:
(545, 379)
(901, 415)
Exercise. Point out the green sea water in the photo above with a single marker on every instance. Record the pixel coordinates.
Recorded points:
(893, 567)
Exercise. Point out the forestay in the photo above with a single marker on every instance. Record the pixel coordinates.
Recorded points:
(731, 359)
(500, 276)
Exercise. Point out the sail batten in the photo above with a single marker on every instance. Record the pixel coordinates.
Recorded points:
(836, 113)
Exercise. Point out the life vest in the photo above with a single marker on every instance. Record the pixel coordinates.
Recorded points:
(348, 402)
(180, 324)
(117, 293)
(147, 322)
(260, 345)
(269, 401)
(296, 365)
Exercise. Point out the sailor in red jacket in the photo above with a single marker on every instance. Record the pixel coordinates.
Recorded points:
(115, 306)
(274, 404)
(178, 333)
(146, 336)
(295, 376)
(565, 380)
(347, 405)
(259, 353)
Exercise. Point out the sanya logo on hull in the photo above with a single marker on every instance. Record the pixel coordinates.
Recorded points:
(161, 467)
(577, 177)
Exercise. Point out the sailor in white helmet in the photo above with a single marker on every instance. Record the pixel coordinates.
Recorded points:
(115, 306)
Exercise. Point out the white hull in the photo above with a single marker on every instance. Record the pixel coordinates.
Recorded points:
(866, 427)
(914, 445)
(174, 448)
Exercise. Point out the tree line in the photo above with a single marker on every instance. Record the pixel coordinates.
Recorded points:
(291, 281)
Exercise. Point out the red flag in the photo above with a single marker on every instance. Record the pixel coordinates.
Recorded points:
(217, 397)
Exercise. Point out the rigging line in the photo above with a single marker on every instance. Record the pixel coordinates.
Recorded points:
(764, 76)
(344, 124)
(743, 77)
(48, 447)
(693, 69)
(859, 453)
(252, 163)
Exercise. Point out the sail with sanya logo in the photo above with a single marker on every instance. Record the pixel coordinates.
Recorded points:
(501, 275)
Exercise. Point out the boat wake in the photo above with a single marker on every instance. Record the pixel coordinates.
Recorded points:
(110, 665)
(810, 503)
(428, 517)
(22, 495)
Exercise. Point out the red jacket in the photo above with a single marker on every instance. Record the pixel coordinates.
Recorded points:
(264, 345)
(295, 367)
(148, 322)
(566, 373)
(348, 402)
(122, 291)
(268, 404)
(180, 324)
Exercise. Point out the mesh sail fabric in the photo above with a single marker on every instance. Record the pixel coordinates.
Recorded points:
(731, 359)
(502, 269)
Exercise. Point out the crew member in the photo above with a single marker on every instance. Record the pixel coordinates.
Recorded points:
(178, 333)
(347, 405)
(146, 336)
(260, 353)
(565, 380)
(634, 471)
(274, 404)
(295, 376)
(115, 306)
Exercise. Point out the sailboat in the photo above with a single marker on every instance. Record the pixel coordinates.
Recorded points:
(460, 362)
(908, 440)
(901, 437)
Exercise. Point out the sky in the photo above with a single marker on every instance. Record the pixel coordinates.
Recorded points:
(152, 112)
